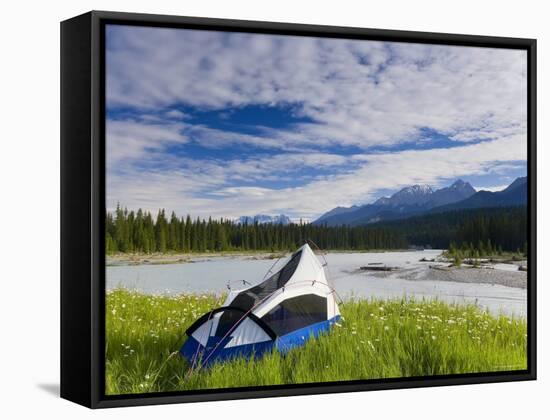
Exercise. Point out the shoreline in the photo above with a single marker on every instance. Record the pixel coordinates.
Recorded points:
(182, 258)
(129, 259)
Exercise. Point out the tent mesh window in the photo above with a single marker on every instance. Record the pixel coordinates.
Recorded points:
(228, 319)
(248, 298)
(295, 313)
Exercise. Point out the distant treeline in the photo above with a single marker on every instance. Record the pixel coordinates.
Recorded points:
(139, 231)
(497, 228)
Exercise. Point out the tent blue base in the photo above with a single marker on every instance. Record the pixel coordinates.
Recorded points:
(192, 350)
(214, 351)
(297, 338)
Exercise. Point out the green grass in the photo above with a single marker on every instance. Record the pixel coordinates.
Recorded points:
(375, 339)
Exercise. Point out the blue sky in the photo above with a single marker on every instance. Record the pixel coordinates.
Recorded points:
(229, 124)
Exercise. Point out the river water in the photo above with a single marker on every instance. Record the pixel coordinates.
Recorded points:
(211, 275)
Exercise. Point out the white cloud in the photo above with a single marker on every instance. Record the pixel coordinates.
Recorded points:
(176, 114)
(492, 188)
(356, 92)
(210, 191)
(129, 141)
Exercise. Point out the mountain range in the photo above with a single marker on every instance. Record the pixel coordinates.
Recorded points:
(281, 219)
(422, 199)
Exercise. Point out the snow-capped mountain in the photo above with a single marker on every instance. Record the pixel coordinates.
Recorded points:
(408, 201)
(424, 195)
(458, 191)
(280, 219)
(413, 195)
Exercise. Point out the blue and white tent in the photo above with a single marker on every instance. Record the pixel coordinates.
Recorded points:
(284, 311)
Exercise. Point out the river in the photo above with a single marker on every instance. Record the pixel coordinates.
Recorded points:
(211, 275)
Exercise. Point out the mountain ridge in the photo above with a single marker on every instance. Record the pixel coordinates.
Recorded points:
(420, 199)
(514, 194)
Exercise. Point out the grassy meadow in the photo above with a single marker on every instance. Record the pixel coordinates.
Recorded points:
(375, 339)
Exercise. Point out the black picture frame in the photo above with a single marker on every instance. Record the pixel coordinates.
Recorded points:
(83, 207)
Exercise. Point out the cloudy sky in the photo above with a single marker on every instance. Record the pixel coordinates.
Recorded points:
(231, 124)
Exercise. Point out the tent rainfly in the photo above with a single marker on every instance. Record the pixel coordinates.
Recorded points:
(282, 312)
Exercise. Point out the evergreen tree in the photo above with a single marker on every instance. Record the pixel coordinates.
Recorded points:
(188, 229)
(161, 232)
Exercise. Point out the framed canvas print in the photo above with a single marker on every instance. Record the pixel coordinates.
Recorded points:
(255, 209)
